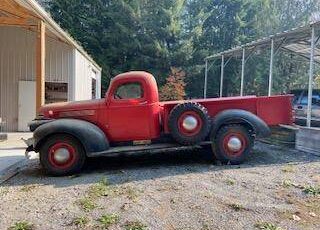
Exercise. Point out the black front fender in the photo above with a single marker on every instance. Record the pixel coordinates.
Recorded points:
(90, 135)
(238, 116)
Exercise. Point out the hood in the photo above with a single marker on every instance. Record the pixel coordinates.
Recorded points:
(50, 109)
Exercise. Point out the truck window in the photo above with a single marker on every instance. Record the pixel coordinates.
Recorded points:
(129, 91)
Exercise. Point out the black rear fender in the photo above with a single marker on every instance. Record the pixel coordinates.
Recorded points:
(89, 135)
(238, 116)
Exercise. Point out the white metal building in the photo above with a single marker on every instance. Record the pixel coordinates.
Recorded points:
(39, 63)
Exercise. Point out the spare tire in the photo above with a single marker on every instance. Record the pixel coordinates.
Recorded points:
(189, 123)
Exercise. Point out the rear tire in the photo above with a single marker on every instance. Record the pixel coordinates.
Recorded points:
(61, 155)
(189, 123)
(232, 144)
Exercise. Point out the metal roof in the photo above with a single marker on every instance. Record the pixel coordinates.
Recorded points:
(296, 40)
(53, 27)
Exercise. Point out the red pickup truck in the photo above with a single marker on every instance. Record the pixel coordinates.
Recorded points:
(131, 119)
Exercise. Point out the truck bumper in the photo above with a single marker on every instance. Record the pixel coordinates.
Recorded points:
(29, 142)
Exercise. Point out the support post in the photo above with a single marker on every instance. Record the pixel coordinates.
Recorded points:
(271, 68)
(311, 71)
(242, 70)
(222, 74)
(205, 80)
(40, 66)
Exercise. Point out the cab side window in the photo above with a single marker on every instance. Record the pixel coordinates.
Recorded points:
(132, 90)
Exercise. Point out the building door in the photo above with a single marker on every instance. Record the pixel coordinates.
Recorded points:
(27, 104)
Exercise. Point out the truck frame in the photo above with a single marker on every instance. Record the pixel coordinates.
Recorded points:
(131, 119)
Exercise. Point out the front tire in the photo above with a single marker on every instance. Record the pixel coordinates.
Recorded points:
(232, 144)
(61, 155)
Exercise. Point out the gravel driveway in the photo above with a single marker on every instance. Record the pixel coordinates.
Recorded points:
(277, 187)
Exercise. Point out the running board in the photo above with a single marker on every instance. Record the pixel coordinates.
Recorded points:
(152, 148)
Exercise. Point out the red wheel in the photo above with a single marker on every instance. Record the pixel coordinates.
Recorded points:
(233, 143)
(189, 123)
(62, 155)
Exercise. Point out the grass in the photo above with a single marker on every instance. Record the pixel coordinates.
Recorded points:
(4, 191)
(28, 188)
(267, 226)
(131, 193)
(81, 221)
(286, 183)
(108, 220)
(87, 204)
(230, 182)
(288, 169)
(134, 225)
(22, 225)
(99, 189)
(237, 207)
(310, 190)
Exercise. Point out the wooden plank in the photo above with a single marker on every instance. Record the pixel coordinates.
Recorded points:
(14, 8)
(10, 21)
(40, 65)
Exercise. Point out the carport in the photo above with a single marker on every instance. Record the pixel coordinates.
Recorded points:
(302, 41)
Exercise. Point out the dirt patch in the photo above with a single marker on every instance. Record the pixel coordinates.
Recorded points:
(170, 191)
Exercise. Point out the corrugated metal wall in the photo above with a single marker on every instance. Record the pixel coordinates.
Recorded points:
(17, 62)
(83, 78)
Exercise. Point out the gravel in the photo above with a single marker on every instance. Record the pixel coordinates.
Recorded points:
(184, 190)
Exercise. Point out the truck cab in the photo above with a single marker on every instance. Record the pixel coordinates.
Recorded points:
(132, 101)
(65, 134)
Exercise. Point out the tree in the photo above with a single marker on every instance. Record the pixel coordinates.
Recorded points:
(174, 89)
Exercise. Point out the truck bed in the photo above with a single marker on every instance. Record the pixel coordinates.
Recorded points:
(274, 110)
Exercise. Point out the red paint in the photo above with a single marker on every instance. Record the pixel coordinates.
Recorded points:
(66, 164)
(144, 118)
(226, 139)
(189, 132)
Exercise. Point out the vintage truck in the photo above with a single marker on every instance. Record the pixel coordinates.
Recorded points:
(131, 119)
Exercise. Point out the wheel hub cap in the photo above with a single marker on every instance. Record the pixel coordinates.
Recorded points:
(234, 144)
(61, 155)
(190, 123)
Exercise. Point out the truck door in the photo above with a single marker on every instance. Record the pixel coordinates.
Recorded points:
(129, 112)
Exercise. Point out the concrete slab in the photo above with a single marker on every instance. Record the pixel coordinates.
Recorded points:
(12, 154)
(307, 139)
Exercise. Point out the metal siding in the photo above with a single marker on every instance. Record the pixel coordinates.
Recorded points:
(83, 73)
(17, 62)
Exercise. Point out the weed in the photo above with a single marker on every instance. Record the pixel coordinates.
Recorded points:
(267, 226)
(4, 191)
(132, 194)
(22, 225)
(236, 207)
(286, 183)
(99, 189)
(81, 221)
(108, 220)
(28, 188)
(134, 225)
(87, 204)
(310, 190)
(230, 182)
(288, 169)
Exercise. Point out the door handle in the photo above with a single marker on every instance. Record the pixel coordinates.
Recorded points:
(143, 103)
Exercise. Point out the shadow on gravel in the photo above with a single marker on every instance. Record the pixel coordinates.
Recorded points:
(150, 166)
